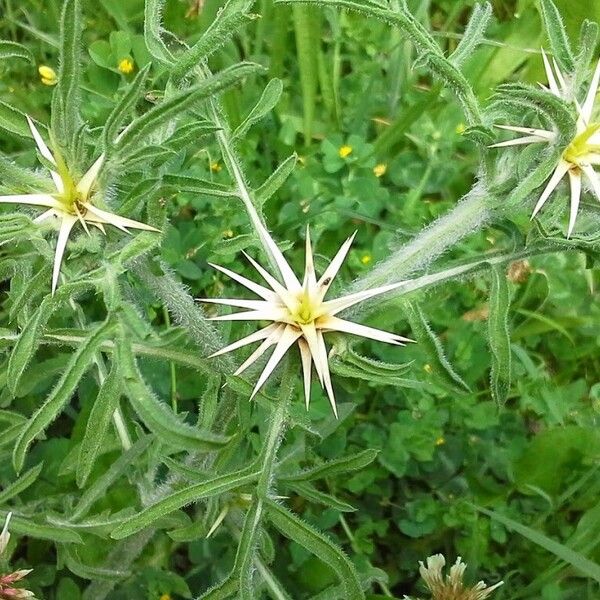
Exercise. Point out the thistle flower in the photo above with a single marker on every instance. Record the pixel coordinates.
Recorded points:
(299, 313)
(71, 202)
(7, 591)
(452, 587)
(581, 154)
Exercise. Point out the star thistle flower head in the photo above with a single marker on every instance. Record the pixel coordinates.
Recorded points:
(580, 156)
(71, 202)
(7, 591)
(452, 587)
(299, 314)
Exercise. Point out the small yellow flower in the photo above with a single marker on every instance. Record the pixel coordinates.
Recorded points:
(366, 259)
(47, 75)
(228, 233)
(165, 597)
(428, 368)
(126, 66)
(440, 441)
(215, 167)
(345, 151)
(380, 170)
(460, 128)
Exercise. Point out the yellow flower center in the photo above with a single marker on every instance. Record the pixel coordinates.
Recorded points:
(345, 151)
(126, 66)
(305, 311)
(580, 146)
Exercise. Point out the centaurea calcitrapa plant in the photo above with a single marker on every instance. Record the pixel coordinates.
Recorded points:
(131, 450)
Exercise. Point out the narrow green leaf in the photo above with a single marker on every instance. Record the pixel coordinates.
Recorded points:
(309, 492)
(143, 126)
(13, 120)
(268, 100)
(557, 35)
(121, 466)
(124, 107)
(30, 338)
(276, 179)
(307, 24)
(332, 468)
(196, 185)
(98, 424)
(183, 497)
(66, 120)
(499, 336)
(229, 21)
(25, 526)
(564, 553)
(246, 551)
(432, 345)
(152, 33)
(156, 415)
(75, 565)
(21, 484)
(11, 50)
(319, 545)
(474, 33)
(61, 394)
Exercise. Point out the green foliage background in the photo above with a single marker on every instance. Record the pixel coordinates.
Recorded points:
(444, 452)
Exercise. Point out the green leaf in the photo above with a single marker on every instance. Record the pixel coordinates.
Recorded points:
(309, 492)
(29, 339)
(62, 393)
(121, 466)
(152, 33)
(272, 185)
(346, 464)
(228, 22)
(499, 336)
(10, 50)
(432, 346)
(13, 120)
(557, 35)
(124, 107)
(195, 185)
(473, 34)
(21, 484)
(22, 525)
(66, 119)
(307, 25)
(564, 553)
(319, 545)
(98, 424)
(156, 415)
(270, 97)
(163, 113)
(76, 566)
(185, 496)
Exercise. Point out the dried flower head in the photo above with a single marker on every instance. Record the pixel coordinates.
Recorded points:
(7, 591)
(452, 586)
